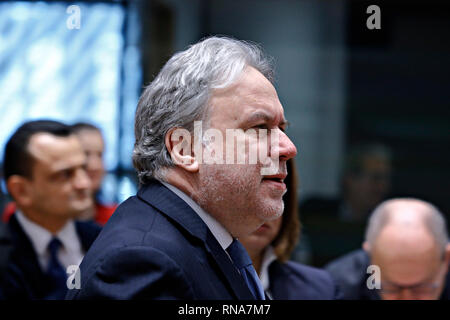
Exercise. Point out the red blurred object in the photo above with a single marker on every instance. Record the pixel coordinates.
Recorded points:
(10, 208)
(103, 213)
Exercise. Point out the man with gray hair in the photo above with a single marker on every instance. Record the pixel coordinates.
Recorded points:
(407, 250)
(177, 238)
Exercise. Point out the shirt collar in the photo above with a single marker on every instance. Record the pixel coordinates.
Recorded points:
(220, 233)
(40, 237)
(268, 258)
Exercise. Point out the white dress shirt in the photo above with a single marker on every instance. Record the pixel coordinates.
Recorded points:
(268, 258)
(70, 253)
(219, 232)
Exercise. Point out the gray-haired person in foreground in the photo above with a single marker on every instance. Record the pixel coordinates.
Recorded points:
(177, 238)
(408, 250)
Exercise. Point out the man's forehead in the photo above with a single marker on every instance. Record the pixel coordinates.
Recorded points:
(250, 83)
(47, 147)
(406, 268)
(407, 274)
(253, 98)
(253, 84)
(410, 247)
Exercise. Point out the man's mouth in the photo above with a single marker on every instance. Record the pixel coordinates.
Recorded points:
(276, 180)
(263, 228)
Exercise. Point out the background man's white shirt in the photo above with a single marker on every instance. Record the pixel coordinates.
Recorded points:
(71, 252)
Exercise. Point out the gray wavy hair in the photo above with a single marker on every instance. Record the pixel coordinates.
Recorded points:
(179, 95)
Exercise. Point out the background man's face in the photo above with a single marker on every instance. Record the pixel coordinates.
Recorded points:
(59, 185)
(373, 183)
(239, 192)
(93, 146)
(409, 269)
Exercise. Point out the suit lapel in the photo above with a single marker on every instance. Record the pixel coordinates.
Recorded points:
(25, 261)
(164, 200)
(168, 203)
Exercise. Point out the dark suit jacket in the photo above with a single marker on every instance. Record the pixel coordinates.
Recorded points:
(294, 281)
(156, 247)
(24, 278)
(350, 274)
(5, 249)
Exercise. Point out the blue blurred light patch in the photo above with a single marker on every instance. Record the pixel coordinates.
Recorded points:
(50, 71)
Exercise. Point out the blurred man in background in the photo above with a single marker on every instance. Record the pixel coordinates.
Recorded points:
(45, 173)
(93, 145)
(366, 181)
(336, 226)
(407, 239)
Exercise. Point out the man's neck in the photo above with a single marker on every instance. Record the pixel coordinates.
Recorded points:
(218, 230)
(49, 223)
(188, 185)
(177, 179)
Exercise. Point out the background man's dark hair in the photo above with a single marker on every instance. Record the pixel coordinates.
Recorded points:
(17, 159)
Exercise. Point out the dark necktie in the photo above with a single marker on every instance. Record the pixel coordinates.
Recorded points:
(55, 271)
(244, 264)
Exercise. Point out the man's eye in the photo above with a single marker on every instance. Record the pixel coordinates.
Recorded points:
(66, 174)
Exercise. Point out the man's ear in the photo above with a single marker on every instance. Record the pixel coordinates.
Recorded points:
(179, 143)
(366, 246)
(20, 190)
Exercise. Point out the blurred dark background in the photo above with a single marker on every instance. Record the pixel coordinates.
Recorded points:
(340, 83)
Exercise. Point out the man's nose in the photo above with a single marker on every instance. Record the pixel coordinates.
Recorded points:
(287, 149)
(82, 180)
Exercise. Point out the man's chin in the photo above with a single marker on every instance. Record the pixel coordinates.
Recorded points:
(272, 211)
(81, 208)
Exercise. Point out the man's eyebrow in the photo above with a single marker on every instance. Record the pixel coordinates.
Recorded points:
(70, 167)
(259, 116)
(264, 116)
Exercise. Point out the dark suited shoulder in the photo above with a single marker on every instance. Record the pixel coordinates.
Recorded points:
(156, 247)
(88, 232)
(349, 272)
(295, 281)
(125, 262)
(24, 278)
(5, 250)
(134, 272)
